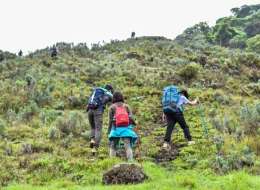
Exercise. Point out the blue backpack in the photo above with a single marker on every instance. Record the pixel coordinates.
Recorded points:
(171, 96)
(96, 98)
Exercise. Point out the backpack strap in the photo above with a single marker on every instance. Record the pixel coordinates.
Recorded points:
(106, 92)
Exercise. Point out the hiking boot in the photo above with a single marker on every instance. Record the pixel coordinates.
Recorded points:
(93, 151)
(92, 143)
(191, 142)
(166, 145)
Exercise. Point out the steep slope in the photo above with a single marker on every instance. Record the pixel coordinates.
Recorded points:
(44, 129)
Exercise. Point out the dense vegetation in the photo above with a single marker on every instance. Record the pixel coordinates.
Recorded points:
(44, 129)
(241, 30)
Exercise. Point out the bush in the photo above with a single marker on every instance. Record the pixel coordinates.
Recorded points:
(30, 148)
(254, 88)
(250, 116)
(221, 98)
(2, 127)
(234, 160)
(253, 44)
(43, 97)
(224, 124)
(47, 116)
(29, 111)
(71, 123)
(54, 133)
(190, 71)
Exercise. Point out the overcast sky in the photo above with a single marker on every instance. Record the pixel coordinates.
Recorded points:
(35, 24)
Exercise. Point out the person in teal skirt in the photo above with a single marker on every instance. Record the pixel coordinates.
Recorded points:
(121, 124)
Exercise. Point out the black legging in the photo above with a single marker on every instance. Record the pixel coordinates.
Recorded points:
(172, 119)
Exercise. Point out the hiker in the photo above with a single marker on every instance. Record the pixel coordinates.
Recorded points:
(95, 108)
(173, 102)
(54, 52)
(121, 124)
(133, 35)
(20, 53)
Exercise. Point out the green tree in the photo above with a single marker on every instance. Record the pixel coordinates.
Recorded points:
(253, 29)
(235, 10)
(239, 41)
(253, 44)
(224, 33)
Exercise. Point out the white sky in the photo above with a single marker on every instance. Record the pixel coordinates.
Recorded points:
(35, 24)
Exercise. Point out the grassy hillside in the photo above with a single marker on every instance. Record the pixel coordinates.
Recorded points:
(44, 131)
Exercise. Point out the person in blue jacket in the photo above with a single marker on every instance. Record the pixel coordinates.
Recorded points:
(178, 117)
(97, 102)
(121, 124)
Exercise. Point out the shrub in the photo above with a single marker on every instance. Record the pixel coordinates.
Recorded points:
(47, 116)
(224, 124)
(219, 142)
(178, 61)
(36, 147)
(2, 127)
(43, 97)
(54, 133)
(29, 111)
(71, 123)
(253, 44)
(234, 160)
(75, 102)
(250, 116)
(221, 98)
(254, 88)
(26, 149)
(190, 71)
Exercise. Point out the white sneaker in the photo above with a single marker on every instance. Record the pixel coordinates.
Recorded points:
(92, 143)
(166, 145)
(191, 142)
(93, 151)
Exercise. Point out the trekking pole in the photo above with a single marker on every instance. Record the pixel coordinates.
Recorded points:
(138, 147)
(202, 119)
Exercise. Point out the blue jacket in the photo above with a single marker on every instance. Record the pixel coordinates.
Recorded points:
(121, 132)
(107, 97)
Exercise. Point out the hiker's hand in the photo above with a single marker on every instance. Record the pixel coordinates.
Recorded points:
(133, 122)
(194, 102)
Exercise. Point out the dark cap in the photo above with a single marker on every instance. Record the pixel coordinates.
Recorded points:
(109, 88)
(185, 93)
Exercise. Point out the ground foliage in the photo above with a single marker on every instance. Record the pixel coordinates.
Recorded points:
(43, 124)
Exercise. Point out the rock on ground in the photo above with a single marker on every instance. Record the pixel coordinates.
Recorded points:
(166, 155)
(124, 174)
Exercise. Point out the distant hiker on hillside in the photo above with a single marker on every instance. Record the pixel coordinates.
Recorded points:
(95, 108)
(20, 53)
(54, 52)
(133, 35)
(173, 101)
(121, 124)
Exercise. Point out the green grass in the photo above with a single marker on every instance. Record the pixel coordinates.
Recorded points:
(50, 115)
(161, 179)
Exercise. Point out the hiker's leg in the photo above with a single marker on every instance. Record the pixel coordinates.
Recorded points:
(170, 125)
(181, 120)
(98, 117)
(113, 145)
(128, 149)
(91, 123)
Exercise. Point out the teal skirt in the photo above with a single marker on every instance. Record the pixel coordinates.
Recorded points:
(123, 132)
